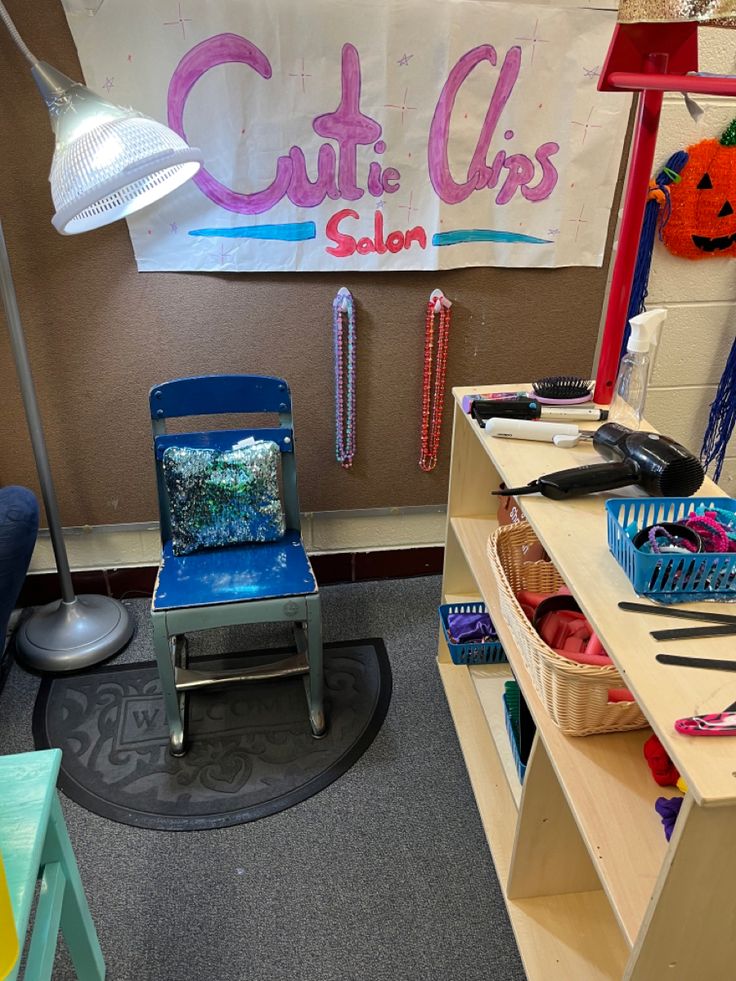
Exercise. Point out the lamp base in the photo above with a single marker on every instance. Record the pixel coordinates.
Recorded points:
(69, 636)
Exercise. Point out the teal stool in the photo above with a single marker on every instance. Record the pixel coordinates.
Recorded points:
(35, 845)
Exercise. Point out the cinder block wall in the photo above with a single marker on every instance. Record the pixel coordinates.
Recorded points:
(700, 296)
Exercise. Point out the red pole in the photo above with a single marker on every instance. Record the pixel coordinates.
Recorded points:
(641, 164)
(705, 84)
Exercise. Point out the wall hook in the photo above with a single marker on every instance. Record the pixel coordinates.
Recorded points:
(440, 300)
(345, 295)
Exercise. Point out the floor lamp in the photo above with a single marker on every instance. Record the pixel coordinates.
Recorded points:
(108, 162)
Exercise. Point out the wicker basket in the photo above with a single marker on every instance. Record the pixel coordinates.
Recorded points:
(575, 695)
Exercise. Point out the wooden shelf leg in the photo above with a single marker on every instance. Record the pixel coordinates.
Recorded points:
(549, 854)
(472, 475)
(457, 578)
(689, 929)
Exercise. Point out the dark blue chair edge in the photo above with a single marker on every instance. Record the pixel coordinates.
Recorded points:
(219, 394)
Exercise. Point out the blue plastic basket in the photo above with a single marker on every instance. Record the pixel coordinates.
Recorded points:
(511, 697)
(670, 578)
(474, 652)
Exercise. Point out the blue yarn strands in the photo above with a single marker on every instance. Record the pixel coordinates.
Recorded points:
(722, 418)
(656, 215)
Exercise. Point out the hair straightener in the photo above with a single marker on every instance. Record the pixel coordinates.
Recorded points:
(560, 433)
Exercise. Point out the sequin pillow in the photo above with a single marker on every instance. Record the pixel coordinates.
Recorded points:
(223, 498)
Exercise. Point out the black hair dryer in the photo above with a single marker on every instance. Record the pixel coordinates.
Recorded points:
(661, 466)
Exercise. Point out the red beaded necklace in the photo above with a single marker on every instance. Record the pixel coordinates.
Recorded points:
(435, 368)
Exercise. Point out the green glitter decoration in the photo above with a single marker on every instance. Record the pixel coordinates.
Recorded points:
(728, 137)
(223, 498)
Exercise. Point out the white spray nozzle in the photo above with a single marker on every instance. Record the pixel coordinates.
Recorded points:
(644, 327)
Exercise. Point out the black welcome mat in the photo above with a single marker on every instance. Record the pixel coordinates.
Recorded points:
(251, 752)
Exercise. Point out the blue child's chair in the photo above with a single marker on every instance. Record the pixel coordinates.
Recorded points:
(238, 584)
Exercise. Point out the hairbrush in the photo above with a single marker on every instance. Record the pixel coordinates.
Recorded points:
(563, 390)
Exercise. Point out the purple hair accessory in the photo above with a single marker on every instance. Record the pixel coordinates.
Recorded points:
(668, 808)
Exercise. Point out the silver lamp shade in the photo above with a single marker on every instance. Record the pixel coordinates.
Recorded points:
(109, 161)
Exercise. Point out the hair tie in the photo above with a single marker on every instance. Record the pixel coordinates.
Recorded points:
(713, 534)
(674, 543)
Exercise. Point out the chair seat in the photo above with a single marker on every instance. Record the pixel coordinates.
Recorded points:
(265, 570)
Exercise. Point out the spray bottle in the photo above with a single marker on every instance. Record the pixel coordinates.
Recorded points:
(630, 395)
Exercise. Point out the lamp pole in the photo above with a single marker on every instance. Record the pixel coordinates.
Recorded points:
(33, 418)
(141, 161)
(75, 631)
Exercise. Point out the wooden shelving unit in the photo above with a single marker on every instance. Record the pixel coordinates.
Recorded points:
(591, 885)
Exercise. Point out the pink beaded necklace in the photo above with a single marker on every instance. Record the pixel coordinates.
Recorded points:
(344, 377)
(433, 400)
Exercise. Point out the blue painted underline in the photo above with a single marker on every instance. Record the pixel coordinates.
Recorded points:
(485, 235)
(298, 231)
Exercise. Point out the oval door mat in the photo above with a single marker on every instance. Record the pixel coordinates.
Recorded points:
(251, 752)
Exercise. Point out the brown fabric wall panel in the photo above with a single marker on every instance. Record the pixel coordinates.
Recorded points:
(100, 334)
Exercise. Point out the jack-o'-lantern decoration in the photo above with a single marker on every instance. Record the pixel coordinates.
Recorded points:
(702, 222)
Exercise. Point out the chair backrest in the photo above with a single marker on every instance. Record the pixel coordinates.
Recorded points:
(209, 395)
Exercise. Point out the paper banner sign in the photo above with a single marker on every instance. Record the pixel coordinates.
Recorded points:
(353, 135)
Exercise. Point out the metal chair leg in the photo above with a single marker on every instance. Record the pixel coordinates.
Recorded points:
(163, 647)
(180, 655)
(315, 679)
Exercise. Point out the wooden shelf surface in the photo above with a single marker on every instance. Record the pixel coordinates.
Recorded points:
(474, 597)
(605, 778)
(574, 533)
(572, 937)
(488, 681)
(560, 937)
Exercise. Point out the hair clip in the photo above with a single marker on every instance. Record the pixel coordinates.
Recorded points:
(672, 174)
(715, 724)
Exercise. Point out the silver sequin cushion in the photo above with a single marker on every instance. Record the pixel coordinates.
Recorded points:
(223, 498)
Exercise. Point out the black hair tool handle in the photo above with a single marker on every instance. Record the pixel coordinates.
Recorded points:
(694, 633)
(676, 613)
(709, 663)
(522, 408)
(581, 480)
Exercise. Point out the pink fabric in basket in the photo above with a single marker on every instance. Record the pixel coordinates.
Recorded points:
(568, 633)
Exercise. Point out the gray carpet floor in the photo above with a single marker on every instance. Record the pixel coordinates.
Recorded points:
(384, 876)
